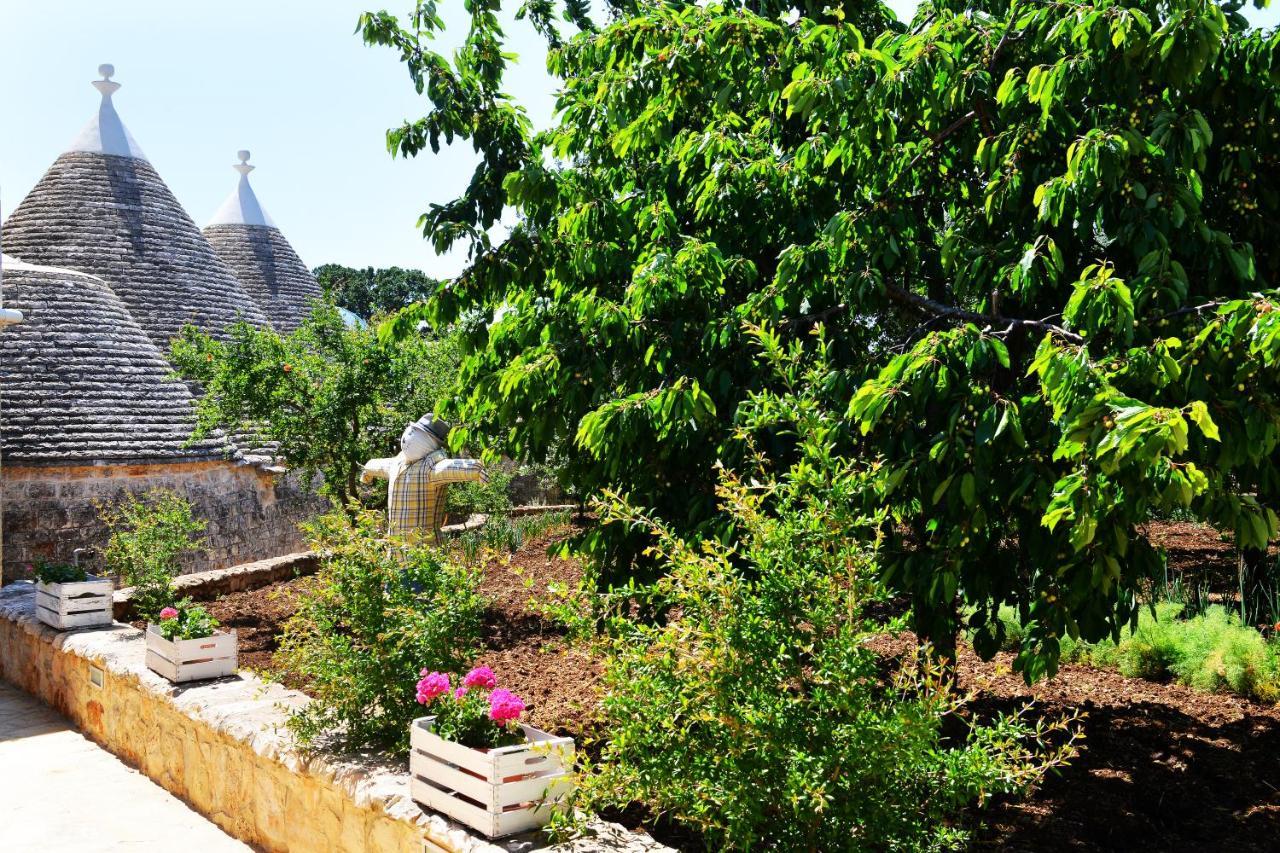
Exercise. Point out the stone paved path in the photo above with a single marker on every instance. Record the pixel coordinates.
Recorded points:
(60, 792)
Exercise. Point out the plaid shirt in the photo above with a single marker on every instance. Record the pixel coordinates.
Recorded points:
(415, 499)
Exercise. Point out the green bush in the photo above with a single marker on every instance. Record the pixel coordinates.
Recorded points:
(1210, 650)
(471, 497)
(757, 710)
(148, 534)
(375, 614)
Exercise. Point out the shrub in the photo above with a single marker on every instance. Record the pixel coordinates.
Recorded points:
(329, 397)
(1209, 650)
(375, 613)
(148, 535)
(757, 710)
(472, 497)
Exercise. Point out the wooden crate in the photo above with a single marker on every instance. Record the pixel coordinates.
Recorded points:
(81, 604)
(500, 792)
(191, 660)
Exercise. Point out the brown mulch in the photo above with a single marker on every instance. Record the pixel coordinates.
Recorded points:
(1164, 767)
(1197, 553)
(560, 682)
(258, 617)
(529, 653)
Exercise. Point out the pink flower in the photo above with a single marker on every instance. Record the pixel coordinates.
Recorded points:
(481, 676)
(505, 706)
(431, 686)
(459, 693)
(169, 613)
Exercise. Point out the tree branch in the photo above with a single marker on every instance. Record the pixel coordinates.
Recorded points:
(937, 311)
(928, 306)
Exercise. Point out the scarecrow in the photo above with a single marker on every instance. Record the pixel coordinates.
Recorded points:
(419, 477)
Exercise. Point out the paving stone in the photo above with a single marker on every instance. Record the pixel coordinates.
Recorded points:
(60, 791)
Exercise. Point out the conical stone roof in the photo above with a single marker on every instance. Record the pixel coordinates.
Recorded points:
(248, 241)
(82, 382)
(102, 209)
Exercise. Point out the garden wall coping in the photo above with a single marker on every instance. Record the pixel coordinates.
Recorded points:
(221, 747)
(206, 586)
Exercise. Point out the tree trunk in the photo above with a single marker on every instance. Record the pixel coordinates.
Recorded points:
(1259, 587)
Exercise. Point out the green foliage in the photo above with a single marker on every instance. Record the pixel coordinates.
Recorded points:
(759, 711)
(1210, 651)
(330, 397)
(374, 614)
(472, 497)
(191, 622)
(148, 535)
(504, 533)
(372, 292)
(59, 573)
(1040, 236)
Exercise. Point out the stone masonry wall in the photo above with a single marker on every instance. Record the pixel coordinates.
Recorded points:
(223, 748)
(251, 514)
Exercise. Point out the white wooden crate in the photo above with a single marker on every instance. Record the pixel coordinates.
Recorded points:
(191, 660)
(500, 792)
(80, 604)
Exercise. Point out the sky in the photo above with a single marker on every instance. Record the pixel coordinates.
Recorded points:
(287, 79)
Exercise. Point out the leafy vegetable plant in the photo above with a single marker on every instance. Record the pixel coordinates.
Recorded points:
(59, 573)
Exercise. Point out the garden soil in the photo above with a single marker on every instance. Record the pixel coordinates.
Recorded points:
(1164, 767)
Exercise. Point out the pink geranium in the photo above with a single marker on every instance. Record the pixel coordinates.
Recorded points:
(433, 684)
(481, 676)
(169, 613)
(505, 706)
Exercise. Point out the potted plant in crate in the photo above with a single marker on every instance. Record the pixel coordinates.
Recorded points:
(187, 645)
(473, 760)
(69, 597)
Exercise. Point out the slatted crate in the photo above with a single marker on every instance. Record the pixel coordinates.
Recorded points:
(191, 660)
(500, 792)
(79, 604)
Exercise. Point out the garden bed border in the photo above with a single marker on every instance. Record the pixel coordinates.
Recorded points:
(220, 746)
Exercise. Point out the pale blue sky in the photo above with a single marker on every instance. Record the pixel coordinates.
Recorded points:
(287, 79)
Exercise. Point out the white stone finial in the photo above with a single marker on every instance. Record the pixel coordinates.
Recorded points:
(105, 133)
(106, 85)
(242, 207)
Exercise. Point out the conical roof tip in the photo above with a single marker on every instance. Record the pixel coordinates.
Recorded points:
(242, 206)
(105, 133)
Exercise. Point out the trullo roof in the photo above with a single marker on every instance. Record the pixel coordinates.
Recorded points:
(102, 209)
(248, 241)
(82, 382)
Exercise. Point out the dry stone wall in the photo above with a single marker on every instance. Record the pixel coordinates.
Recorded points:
(251, 513)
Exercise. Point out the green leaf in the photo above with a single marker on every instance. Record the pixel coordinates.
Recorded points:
(1199, 412)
